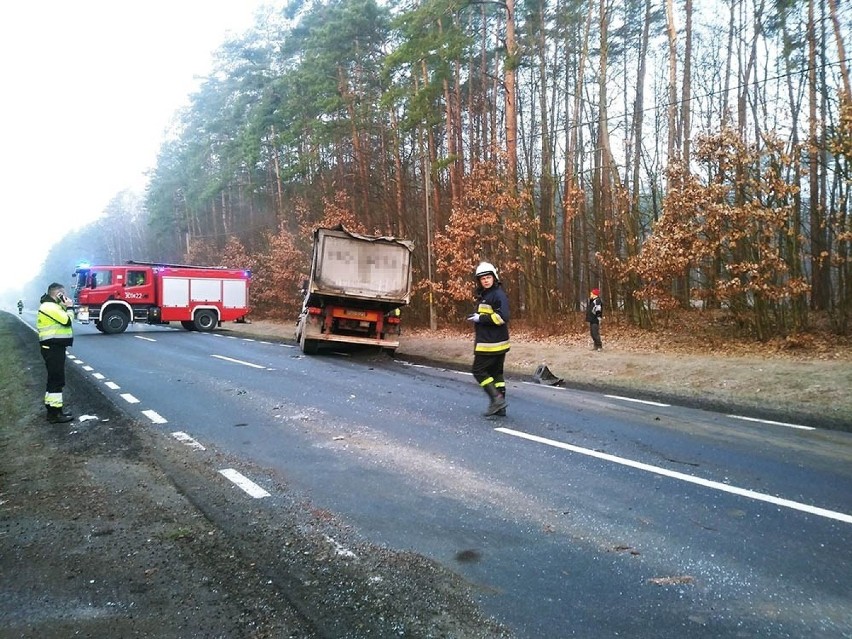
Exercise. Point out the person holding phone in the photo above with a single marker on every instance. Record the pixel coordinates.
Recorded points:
(55, 334)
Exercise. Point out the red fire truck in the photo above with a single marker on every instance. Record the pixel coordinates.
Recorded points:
(199, 297)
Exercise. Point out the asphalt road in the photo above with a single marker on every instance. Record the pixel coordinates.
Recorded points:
(579, 514)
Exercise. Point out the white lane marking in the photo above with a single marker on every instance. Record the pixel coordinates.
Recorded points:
(147, 339)
(638, 401)
(88, 369)
(130, 399)
(248, 339)
(237, 361)
(743, 492)
(155, 417)
(186, 439)
(78, 361)
(340, 549)
(112, 385)
(98, 375)
(559, 388)
(769, 421)
(245, 483)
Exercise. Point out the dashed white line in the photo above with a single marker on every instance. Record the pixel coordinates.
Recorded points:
(155, 417)
(252, 489)
(340, 549)
(786, 503)
(769, 421)
(186, 439)
(88, 369)
(130, 399)
(112, 385)
(98, 375)
(237, 361)
(147, 339)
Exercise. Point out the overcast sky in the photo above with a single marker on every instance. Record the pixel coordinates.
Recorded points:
(88, 90)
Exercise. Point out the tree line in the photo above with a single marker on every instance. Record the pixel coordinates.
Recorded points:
(674, 154)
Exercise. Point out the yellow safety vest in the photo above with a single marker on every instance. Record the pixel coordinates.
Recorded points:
(54, 323)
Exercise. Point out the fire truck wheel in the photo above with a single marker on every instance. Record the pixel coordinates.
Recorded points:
(114, 321)
(205, 320)
(190, 326)
(99, 326)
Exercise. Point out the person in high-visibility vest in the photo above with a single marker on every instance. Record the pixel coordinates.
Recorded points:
(55, 335)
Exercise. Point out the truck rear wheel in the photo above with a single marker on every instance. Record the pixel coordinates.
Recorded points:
(114, 321)
(190, 326)
(308, 346)
(205, 320)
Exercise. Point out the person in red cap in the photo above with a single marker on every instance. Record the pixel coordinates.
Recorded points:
(594, 313)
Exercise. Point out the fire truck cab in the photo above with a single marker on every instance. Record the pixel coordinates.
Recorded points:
(198, 297)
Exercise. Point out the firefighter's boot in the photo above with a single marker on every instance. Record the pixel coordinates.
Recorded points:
(502, 411)
(56, 416)
(498, 402)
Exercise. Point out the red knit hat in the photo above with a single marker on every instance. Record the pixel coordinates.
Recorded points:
(596, 292)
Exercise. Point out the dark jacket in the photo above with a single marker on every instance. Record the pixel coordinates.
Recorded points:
(594, 310)
(492, 329)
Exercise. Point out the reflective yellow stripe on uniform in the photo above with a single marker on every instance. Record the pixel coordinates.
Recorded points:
(496, 318)
(491, 347)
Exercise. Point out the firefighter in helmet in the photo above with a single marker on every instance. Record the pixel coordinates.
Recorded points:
(55, 335)
(491, 323)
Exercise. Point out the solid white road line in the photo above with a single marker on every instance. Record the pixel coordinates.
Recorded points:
(130, 399)
(638, 401)
(237, 361)
(769, 421)
(147, 339)
(252, 489)
(155, 417)
(786, 503)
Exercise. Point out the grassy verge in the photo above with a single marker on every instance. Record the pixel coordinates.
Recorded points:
(15, 388)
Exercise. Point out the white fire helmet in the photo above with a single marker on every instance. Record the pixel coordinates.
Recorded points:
(485, 268)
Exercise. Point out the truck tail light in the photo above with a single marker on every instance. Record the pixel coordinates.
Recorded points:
(392, 320)
(314, 310)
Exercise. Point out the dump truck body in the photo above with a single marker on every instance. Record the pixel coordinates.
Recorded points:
(357, 286)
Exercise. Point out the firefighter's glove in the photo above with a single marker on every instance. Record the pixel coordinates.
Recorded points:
(474, 317)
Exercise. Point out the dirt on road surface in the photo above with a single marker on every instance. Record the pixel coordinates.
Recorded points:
(104, 532)
(800, 380)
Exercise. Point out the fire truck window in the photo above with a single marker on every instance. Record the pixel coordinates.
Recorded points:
(135, 278)
(101, 278)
